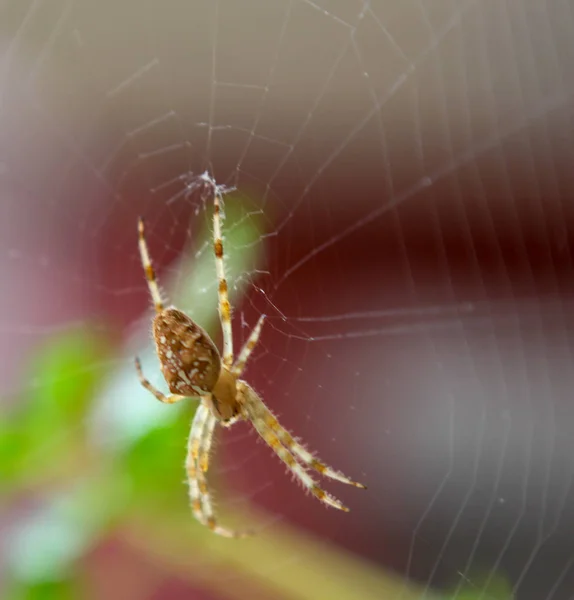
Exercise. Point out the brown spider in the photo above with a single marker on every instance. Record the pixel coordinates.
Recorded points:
(192, 366)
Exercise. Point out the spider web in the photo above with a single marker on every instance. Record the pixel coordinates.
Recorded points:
(407, 169)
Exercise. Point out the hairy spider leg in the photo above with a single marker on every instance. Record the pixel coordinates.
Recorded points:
(224, 306)
(299, 451)
(198, 426)
(248, 347)
(254, 408)
(171, 399)
(197, 463)
(148, 268)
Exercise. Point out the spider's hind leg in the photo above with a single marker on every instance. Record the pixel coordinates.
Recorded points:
(248, 347)
(224, 305)
(148, 268)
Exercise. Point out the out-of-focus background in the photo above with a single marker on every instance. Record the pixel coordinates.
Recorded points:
(400, 205)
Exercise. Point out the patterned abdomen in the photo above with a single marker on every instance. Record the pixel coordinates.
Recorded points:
(189, 359)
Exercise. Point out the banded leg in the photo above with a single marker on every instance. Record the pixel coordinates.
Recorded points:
(257, 417)
(247, 349)
(171, 399)
(191, 462)
(224, 306)
(197, 464)
(299, 451)
(148, 268)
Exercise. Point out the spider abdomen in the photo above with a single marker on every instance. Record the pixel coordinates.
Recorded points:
(189, 360)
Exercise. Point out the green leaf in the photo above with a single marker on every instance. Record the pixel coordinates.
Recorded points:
(155, 467)
(65, 370)
(45, 590)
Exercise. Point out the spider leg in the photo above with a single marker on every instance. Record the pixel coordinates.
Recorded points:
(299, 451)
(224, 306)
(171, 399)
(197, 464)
(245, 353)
(148, 268)
(253, 406)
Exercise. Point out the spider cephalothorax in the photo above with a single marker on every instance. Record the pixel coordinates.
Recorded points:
(192, 366)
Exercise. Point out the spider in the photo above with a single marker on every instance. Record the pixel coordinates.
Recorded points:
(193, 367)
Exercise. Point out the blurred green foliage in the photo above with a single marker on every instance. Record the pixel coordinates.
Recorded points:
(87, 455)
(53, 403)
(43, 448)
(482, 586)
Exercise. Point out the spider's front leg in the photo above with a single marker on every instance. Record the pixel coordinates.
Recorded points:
(257, 413)
(197, 464)
(300, 452)
(171, 399)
